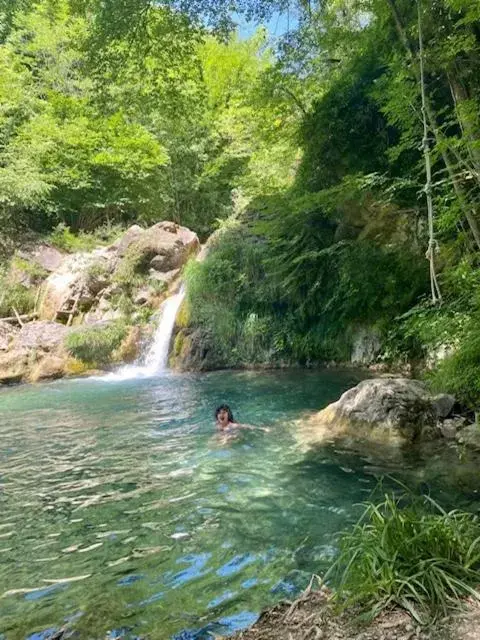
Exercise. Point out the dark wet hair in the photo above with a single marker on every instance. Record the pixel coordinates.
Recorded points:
(224, 407)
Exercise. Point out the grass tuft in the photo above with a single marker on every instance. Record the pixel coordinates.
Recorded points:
(408, 552)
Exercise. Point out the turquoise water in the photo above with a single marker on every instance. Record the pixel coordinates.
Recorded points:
(122, 514)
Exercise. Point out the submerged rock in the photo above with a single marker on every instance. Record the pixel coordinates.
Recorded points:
(390, 410)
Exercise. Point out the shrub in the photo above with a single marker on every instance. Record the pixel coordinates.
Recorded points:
(96, 345)
(459, 373)
(131, 272)
(15, 295)
(408, 552)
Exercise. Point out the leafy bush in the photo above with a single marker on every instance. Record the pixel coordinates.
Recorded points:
(96, 345)
(290, 293)
(459, 373)
(411, 553)
(15, 295)
(131, 271)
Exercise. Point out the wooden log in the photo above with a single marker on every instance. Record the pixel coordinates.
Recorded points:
(20, 322)
(24, 316)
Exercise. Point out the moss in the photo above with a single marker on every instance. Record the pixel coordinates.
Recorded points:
(183, 315)
(129, 349)
(178, 344)
(75, 367)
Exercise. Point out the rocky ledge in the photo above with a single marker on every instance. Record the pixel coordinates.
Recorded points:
(390, 411)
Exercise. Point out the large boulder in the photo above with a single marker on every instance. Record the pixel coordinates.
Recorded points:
(50, 367)
(159, 251)
(14, 366)
(35, 352)
(389, 410)
(81, 275)
(164, 247)
(45, 256)
(43, 335)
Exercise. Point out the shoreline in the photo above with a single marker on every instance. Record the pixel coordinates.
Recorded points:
(313, 616)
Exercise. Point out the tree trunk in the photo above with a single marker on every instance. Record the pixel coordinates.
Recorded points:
(469, 212)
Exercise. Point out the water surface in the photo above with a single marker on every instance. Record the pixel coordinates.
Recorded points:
(123, 515)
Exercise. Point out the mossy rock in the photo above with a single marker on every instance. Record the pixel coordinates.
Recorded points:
(75, 367)
(129, 349)
(183, 316)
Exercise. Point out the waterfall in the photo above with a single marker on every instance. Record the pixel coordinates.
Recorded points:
(156, 358)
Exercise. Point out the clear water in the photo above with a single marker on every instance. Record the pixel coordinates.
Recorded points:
(122, 514)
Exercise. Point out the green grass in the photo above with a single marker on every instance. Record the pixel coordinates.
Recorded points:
(411, 553)
(15, 295)
(96, 345)
(63, 238)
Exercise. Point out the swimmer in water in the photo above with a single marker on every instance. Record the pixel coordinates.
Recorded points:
(225, 422)
(224, 419)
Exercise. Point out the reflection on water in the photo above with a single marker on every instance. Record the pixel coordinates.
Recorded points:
(122, 515)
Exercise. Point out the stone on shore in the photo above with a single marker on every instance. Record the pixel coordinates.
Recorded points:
(388, 410)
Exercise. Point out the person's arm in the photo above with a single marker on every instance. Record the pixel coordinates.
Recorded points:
(253, 428)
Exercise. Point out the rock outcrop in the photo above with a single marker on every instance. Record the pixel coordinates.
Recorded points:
(388, 410)
(34, 352)
(155, 254)
(91, 288)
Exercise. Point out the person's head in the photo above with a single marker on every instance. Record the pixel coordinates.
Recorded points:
(223, 415)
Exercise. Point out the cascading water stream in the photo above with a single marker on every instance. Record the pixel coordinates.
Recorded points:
(156, 357)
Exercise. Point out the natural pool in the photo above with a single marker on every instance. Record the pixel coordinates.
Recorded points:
(123, 515)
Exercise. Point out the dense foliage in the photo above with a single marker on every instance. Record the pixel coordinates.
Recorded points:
(310, 150)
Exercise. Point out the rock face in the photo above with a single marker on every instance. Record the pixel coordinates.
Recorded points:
(45, 256)
(7, 335)
(34, 352)
(106, 284)
(366, 345)
(157, 253)
(390, 410)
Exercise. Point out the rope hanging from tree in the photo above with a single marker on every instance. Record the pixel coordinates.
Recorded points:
(432, 243)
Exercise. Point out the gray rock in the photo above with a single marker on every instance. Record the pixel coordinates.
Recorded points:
(42, 335)
(167, 277)
(470, 436)
(13, 366)
(366, 346)
(450, 427)
(131, 235)
(443, 404)
(7, 334)
(142, 297)
(45, 256)
(385, 409)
